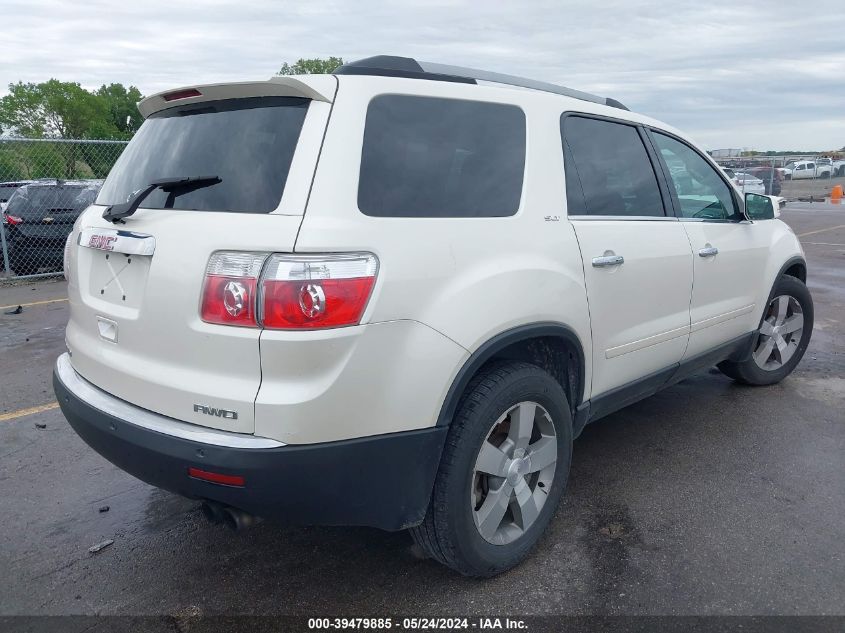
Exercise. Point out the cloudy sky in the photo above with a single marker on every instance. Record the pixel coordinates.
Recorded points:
(762, 74)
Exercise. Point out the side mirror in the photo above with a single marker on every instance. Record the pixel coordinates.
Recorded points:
(759, 207)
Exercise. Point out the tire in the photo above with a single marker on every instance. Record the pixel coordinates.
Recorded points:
(499, 395)
(789, 299)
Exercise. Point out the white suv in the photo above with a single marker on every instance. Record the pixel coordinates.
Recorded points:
(394, 295)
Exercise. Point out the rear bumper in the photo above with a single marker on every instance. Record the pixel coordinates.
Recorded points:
(383, 481)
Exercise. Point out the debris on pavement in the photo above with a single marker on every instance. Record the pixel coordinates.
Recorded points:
(100, 546)
(104, 508)
(40, 425)
(614, 530)
(17, 310)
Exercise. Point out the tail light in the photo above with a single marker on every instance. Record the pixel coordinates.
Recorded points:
(13, 220)
(316, 291)
(229, 292)
(293, 292)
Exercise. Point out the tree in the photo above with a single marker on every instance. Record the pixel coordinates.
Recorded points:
(21, 111)
(122, 105)
(316, 66)
(54, 109)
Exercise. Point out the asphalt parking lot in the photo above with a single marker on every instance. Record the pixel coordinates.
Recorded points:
(709, 498)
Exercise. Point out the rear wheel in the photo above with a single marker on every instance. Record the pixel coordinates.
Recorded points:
(782, 337)
(502, 473)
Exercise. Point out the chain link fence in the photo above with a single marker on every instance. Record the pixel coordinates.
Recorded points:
(804, 177)
(44, 185)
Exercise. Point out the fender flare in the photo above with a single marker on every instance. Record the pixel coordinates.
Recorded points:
(796, 259)
(497, 343)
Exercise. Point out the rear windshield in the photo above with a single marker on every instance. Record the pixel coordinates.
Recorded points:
(35, 201)
(247, 143)
(432, 157)
(6, 192)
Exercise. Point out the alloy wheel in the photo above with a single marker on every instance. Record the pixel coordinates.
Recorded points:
(780, 333)
(513, 473)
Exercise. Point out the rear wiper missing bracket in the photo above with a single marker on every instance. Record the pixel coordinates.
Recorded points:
(117, 212)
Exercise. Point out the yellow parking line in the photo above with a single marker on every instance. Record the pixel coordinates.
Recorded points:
(832, 228)
(33, 303)
(13, 415)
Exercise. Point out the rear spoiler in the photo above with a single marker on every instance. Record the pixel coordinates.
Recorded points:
(314, 87)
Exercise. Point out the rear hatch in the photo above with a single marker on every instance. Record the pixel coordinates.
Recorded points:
(135, 287)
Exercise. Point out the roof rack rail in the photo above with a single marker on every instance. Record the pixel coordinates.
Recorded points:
(394, 66)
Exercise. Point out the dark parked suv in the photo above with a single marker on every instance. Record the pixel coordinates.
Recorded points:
(39, 217)
(8, 189)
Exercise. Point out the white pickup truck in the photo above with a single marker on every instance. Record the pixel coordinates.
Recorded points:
(804, 169)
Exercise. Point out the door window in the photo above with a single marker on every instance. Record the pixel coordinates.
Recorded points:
(701, 193)
(608, 171)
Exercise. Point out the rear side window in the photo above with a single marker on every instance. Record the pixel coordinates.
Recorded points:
(431, 157)
(247, 143)
(608, 171)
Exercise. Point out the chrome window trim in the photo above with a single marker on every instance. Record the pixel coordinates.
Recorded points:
(628, 218)
(145, 419)
(713, 220)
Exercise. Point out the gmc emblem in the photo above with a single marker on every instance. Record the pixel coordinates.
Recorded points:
(219, 413)
(102, 242)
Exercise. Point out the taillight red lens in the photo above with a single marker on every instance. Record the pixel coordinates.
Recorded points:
(229, 300)
(288, 292)
(230, 288)
(13, 219)
(316, 291)
(315, 304)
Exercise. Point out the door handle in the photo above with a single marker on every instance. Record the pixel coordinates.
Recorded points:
(708, 251)
(608, 260)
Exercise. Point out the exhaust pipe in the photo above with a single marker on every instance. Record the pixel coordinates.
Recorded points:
(232, 518)
(238, 520)
(213, 511)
